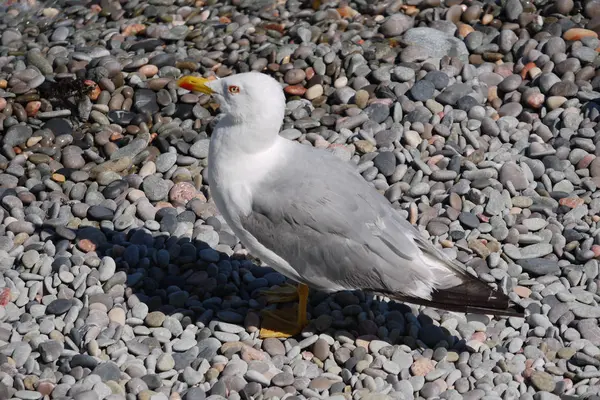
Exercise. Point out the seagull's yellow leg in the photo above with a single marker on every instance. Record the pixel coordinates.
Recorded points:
(283, 294)
(286, 322)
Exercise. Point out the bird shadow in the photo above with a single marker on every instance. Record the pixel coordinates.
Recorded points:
(190, 281)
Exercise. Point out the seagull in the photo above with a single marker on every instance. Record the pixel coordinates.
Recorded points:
(312, 217)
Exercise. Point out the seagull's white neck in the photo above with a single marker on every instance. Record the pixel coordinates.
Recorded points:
(246, 135)
(241, 154)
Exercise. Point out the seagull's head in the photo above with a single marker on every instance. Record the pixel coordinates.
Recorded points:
(244, 97)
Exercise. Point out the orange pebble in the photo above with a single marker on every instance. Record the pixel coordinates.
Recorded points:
(32, 108)
(571, 202)
(275, 27)
(596, 250)
(526, 69)
(133, 29)
(410, 10)
(86, 245)
(465, 29)
(163, 204)
(347, 12)
(492, 93)
(435, 159)
(116, 136)
(224, 20)
(579, 33)
(3, 83)
(94, 93)
(310, 72)
(58, 178)
(295, 90)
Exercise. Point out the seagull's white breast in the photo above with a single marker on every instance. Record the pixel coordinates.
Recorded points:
(232, 176)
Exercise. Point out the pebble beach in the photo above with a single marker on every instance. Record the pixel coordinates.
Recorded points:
(119, 279)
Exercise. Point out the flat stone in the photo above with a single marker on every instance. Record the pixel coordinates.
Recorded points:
(539, 266)
(543, 381)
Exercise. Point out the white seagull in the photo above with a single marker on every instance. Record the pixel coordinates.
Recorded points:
(313, 218)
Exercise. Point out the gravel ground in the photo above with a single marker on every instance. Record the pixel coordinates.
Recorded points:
(479, 121)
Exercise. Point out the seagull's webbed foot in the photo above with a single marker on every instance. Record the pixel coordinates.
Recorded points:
(285, 322)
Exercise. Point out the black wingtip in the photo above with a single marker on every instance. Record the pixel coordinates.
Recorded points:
(510, 310)
(472, 296)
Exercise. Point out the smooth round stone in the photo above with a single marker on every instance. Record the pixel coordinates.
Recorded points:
(165, 161)
(543, 381)
(511, 110)
(66, 276)
(469, 220)
(30, 258)
(165, 362)
(430, 390)
(385, 162)
(200, 148)
(437, 228)
(403, 74)
(294, 76)
(314, 91)
(59, 306)
(28, 395)
(396, 24)
(439, 79)
(564, 89)
(422, 90)
(86, 395)
(283, 379)
(155, 188)
(321, 349)
(510, 83)
(273, 346)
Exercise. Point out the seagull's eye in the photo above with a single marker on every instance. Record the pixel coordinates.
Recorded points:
(233, 89)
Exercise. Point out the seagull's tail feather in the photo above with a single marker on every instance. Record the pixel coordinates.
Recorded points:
(455, 289)
(471, 296)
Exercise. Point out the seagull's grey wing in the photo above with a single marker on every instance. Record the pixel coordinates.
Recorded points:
(337, 232)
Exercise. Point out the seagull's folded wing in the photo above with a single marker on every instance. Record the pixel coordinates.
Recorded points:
(337, 232)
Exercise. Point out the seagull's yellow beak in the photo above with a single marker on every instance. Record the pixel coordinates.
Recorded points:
(195, 83)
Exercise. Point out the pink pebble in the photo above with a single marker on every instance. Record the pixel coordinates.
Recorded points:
(183, 192)
(149, 70)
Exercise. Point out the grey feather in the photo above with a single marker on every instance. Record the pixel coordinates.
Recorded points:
(323, 218)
